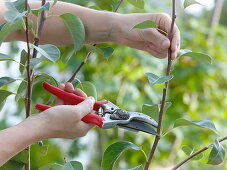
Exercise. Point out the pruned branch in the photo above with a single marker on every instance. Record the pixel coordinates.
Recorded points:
(89, 53)
(194, 154)
(165, 89)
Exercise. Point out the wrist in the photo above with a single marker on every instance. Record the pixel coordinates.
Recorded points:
(34, 128)
(115, 33)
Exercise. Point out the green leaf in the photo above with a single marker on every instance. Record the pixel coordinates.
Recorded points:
(55, 1)
(88, 88)
(137, 3)
(68, 53)
(146, 24)
(188, 151)
(113, 152)
(41, 77)
(3, 95)
(51, 166)
(21, 157)
(23, 59)
(10, 28)
(49, 51)
(153, 110)
(20, 5)
(154, 79)
(1, 26)
(21, 90)
(4, 57)
(76, 29)
(35, 61)
(12, 165)
(73, 165)
(201, 57)
(6, 80)
(217, 154)
(95, 49)
(13, 14)
(45, 7)
(108, 51)
(200, 123)
(189, 2)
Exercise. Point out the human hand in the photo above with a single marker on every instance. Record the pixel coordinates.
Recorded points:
(64, 121)
(149, 39)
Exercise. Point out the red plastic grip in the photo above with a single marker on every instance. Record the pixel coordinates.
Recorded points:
(93, 119)
(69, 97)
(89, 118)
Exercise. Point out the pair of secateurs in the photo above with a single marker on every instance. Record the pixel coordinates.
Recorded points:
(107, 114)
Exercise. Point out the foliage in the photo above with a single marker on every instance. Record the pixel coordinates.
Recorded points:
(197, 92)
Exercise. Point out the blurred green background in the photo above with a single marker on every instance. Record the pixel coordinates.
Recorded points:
(198, 91)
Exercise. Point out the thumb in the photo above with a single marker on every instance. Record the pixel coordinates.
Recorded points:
(86, 106)
(154, 36)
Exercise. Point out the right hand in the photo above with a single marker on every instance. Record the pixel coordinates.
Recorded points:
(64, 121)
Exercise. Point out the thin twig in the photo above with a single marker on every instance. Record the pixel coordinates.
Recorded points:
(41, 23)
(28, 100)
(164, 93)
(89, 53)
(29, 90)
(194, 154)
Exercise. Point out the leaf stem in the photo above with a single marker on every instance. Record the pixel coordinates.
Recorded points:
(196, 153)
(89, 53)
(164, 93)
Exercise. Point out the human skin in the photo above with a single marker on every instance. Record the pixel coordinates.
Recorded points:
(62, 121)
(104, 26)
(100, 26)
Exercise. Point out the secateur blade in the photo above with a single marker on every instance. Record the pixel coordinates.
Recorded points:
(135, 125)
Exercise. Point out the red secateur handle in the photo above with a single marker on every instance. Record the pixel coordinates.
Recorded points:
(73, 99)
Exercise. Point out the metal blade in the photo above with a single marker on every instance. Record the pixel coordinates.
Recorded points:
(139, 126)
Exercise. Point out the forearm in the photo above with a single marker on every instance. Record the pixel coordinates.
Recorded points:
(99, 25)
(17, 138)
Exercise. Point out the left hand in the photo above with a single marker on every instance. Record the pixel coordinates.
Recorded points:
(149, 39)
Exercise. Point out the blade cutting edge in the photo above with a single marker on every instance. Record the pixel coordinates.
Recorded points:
(139, 126)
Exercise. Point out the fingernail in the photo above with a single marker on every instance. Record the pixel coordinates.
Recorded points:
(165, 43)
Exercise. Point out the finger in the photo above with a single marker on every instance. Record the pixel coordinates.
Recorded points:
(86, 106)
(159, 53)
(59, 101)
(85, 127)
(176, 39)
(154, 36)
(79, 92)
(69, 87)
(155, 54)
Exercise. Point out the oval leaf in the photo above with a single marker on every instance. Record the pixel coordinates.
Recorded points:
(6, 80)
(76, 29)
(4, 57)
(23, 59)
(200, 123)
(154, 79)
(88, 88)
(49, 51)
(108, 51)
(21, 91)
(217, 154)
(3, 95)
(73, 165)
(113, 152)
(189, 2)
(188, 151)
(53, 166)
(137, 3)
(21, 157)
(195, 55)
(95, 49)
